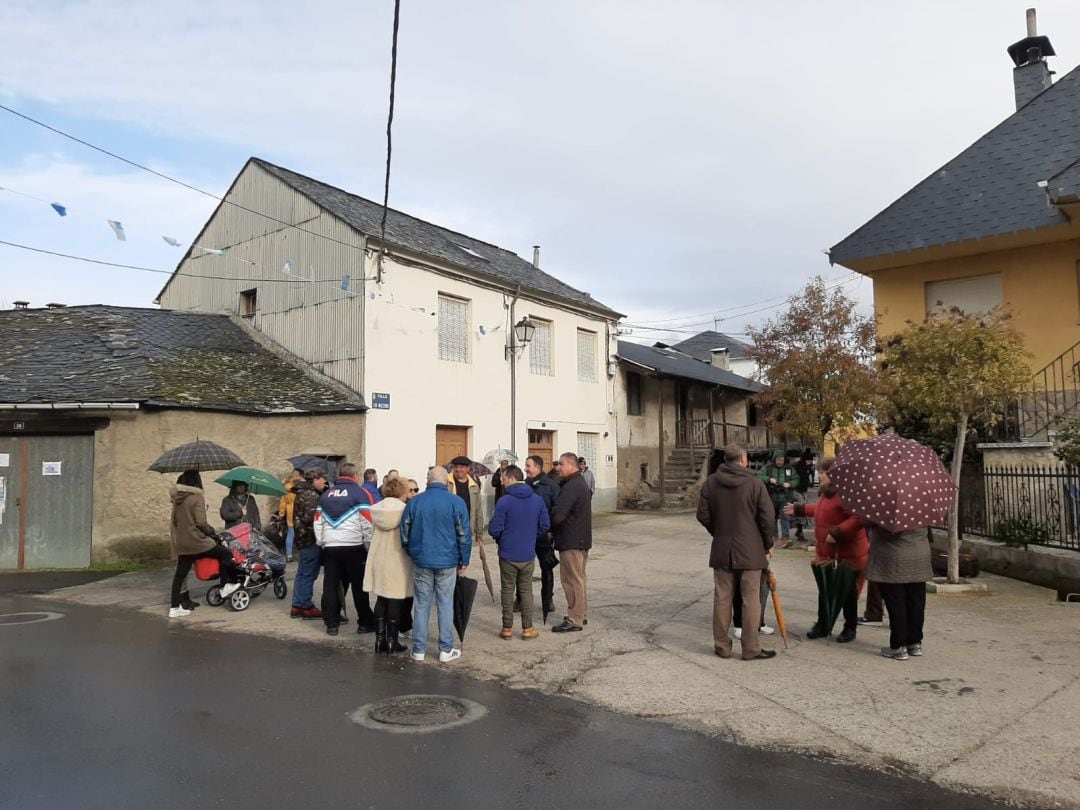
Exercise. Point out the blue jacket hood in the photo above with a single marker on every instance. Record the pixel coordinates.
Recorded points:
(519, 491)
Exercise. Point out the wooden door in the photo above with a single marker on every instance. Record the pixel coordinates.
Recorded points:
(450, 441)
(542, 443)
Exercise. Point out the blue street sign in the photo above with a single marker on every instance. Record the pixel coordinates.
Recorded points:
(380, 401)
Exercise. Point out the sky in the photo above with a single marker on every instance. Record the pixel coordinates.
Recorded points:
(680, 161)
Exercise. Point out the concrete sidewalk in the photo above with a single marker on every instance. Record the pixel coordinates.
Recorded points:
(993, 706)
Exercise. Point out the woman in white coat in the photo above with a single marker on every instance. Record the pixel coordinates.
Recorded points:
(389, 572)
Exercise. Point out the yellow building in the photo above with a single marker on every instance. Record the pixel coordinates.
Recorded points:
(993, 226)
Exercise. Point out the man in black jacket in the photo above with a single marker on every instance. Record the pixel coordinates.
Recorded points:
(307, 494)
(736, 509)
(572, 523)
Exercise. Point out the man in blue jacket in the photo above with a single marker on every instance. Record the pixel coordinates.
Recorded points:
(520, 519)
(436, 534)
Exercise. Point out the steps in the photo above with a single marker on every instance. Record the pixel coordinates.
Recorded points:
(682, 468)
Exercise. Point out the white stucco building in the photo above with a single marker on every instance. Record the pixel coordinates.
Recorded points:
(424, 339)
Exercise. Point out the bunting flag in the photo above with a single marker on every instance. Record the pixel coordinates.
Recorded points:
(170, 241)
(215, 251)
(118, 229)
(60, 209)
(345, 283)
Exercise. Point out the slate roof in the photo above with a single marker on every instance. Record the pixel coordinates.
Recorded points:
(153, 357)
(989, 189)
(675, 364)
(422, 237)
(702, 344)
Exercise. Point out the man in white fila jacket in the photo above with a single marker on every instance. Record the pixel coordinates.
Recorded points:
(343, 531)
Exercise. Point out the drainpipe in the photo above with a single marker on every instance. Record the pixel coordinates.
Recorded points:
(660, 420)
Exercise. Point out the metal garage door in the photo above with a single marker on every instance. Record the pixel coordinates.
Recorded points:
(46, 501)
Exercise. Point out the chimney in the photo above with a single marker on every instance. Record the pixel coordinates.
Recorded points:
(1031, 75)
(721, 358)
(536, 256)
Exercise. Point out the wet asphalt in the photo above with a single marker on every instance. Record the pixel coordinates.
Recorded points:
(112, 709)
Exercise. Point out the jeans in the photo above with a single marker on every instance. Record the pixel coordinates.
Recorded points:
(289, 542)
(785, 521)
(307, 571)
(437, 582)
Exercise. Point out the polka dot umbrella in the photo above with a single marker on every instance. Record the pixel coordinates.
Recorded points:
(896, 483)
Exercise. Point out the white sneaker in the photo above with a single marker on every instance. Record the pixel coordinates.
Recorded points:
(765, 630)
(229, 590)
(178, 612)
(738, 632)
(450, 655)
(417, 656)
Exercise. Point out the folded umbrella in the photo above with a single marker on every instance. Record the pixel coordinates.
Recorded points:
(259, 482)
(197, 455)
(835, 582)
(778, 609)
(548, 561)
(464, 595)
(487, 571)
(896, 483)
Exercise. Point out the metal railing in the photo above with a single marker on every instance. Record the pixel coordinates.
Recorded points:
(1029, 505)
(1054, 392)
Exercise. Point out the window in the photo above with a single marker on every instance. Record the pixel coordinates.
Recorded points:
(586, 355)
(453, 329)
(972, 295)
(633, 394)
(586, 446)
(540, 348)
(247, 303)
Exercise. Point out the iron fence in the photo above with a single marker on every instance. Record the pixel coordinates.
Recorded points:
(1036, 505)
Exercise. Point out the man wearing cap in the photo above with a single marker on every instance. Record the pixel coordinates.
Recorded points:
(467, 488)
(307, 492)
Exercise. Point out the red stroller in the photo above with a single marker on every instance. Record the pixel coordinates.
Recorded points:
(261, 563)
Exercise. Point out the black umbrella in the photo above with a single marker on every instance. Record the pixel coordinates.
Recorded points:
(548, 561)
(306, 463)
(835, 583)
(198, 455)
(464, 594)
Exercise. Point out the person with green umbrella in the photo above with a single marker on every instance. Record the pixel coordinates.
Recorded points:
(239, 507)
(840, 558)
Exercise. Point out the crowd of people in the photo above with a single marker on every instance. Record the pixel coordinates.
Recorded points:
(403, 547)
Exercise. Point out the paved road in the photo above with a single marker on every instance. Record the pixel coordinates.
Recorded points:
(113, 709)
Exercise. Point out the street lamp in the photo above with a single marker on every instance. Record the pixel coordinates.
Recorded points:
(519, 339)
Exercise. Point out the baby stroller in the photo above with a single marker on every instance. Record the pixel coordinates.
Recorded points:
(260, 562)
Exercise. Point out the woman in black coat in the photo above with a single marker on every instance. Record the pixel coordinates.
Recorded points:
(240, 507)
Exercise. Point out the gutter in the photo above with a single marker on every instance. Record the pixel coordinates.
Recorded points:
(69, 406)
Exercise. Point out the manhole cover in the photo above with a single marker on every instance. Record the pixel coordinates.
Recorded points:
(28, 618)
(417, 713)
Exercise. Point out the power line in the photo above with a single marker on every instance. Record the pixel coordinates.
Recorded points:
(167, 272)
(164, 176)
(389, 138)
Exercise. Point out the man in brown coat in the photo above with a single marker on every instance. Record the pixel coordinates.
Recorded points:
(736, 509)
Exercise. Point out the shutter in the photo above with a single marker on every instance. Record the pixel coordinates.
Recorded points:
(586, 355)
(453, 329)
(540, 349)
(586, 447)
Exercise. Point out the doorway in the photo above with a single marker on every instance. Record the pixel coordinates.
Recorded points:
(542, 443)
(450, 441)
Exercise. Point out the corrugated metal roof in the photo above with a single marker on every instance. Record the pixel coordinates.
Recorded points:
(989, 189)
(156, 357)
(416, 235)
(675, 364)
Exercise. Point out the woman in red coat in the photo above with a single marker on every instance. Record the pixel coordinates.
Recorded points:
(839, 535)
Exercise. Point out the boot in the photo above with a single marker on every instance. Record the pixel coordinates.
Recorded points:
(381, 645)
(187, 602)
(394, 645)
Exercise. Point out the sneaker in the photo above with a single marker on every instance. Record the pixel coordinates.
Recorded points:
(738, 632)
(449, 655)
(178, 612)
(530, 632)
(869, 623)
(506, 633)
(899, 654)
(229, 590)
(332, 631)
(417, 656)
(914, 649)
(765, 630)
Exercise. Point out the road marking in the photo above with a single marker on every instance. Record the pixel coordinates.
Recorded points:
(13, 619)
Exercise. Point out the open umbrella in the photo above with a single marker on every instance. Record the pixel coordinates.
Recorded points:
(306, 463)
(197, 455)
(548, 561)
(476, 469)
(464, 594)
(259, 482)
(835, 582)
(778, 609)
(896, 483)
(493, 457)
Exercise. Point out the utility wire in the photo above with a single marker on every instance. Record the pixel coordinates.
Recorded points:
(389, 139)
(164, 176)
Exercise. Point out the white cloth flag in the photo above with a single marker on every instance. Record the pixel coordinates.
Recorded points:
(170, 241)
(118, 229)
